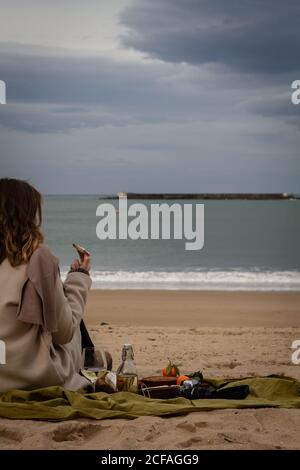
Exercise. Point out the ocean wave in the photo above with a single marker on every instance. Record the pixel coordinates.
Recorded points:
(197, 280)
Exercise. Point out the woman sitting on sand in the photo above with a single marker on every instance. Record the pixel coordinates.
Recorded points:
(40, 317)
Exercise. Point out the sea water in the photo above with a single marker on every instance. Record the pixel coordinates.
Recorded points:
(249, 245)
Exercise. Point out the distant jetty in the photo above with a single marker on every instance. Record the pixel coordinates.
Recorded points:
(203, 196)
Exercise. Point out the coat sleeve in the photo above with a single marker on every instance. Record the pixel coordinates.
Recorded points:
(70, 302)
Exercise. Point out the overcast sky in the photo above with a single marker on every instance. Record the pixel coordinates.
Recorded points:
(150, 95)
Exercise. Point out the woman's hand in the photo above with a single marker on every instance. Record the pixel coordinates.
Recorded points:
(84, 262)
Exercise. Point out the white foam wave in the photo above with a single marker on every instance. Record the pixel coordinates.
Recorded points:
(197, 280)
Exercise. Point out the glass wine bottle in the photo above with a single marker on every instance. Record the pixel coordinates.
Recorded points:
(127, 377)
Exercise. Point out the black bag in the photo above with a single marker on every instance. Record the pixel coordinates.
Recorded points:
(207, 390)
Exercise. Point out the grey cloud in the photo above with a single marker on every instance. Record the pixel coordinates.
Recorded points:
(164, 93)
(277, 105)
(202, 125)
(259, 36)
(55, 94)
(241, 155)
(44, 118)
(43, 77)
(68, 110)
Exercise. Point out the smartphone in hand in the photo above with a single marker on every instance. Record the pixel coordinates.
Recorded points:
(80, 250)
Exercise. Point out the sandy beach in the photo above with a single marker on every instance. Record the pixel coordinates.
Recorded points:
(229, 334)
(193, 308)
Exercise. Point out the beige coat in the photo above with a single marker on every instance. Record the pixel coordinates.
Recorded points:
(35, 357)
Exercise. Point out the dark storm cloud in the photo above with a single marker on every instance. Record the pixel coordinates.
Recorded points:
(260, 36)
(214, 114)
(50, 93)
(55, 93)
(41, 77)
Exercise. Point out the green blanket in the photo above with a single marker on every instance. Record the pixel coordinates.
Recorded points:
(57, 404)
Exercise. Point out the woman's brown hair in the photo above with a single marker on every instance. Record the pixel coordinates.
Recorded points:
(20, 220)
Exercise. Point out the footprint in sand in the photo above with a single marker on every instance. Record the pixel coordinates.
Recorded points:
(189, 442)
(10, 436)
(186, 426)
(201, 424)
(75, 431)
(153, 433)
